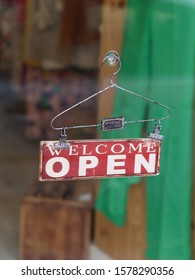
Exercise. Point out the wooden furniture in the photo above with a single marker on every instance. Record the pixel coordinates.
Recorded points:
(54, 229)
(129, 241)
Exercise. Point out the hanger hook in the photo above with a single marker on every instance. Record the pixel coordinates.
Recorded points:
(112, 58)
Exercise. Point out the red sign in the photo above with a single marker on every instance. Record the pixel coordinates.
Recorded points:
(90, 159)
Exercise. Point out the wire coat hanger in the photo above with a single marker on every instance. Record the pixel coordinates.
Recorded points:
(112, 58)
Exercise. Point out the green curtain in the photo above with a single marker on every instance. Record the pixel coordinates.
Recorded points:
(158, 62)
(172, 82)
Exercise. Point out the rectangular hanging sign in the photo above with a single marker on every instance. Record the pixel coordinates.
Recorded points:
(91, 159)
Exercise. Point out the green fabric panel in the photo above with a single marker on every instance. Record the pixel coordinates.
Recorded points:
(112, 196)
(158, 45)
(169, 195)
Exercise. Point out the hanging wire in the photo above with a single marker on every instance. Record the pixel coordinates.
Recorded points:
(112, 58)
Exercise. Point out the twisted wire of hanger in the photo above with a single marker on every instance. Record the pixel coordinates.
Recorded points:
(112, 58)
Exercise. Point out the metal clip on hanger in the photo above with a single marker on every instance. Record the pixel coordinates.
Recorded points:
(112, 58)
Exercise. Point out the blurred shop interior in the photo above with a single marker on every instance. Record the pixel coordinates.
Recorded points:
(50, 59)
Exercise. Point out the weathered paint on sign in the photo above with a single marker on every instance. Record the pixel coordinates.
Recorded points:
(90, 159)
